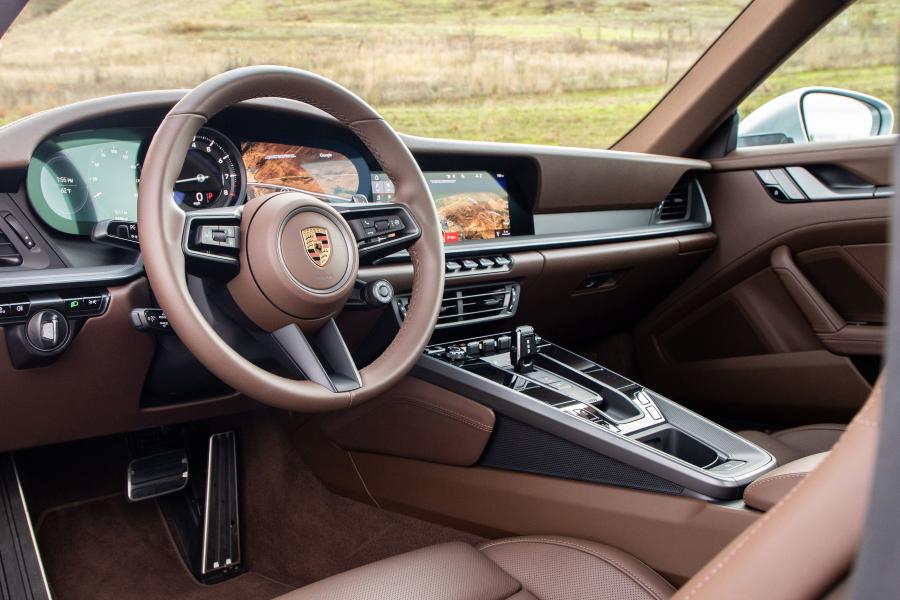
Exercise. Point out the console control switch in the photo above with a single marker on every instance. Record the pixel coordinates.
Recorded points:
(150, 319)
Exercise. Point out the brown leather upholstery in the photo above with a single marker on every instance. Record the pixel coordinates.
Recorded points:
(804, 545)
(526, 568)
(415, 419)
(768, 490)
(791, 444)
(561, 568)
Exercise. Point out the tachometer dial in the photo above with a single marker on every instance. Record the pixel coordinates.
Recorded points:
(213, 173)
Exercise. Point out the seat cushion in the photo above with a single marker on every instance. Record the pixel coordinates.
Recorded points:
(799, 442)
(525, 568)
(559, 568)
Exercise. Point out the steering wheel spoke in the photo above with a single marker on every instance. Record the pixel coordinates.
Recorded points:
(211, 242)
(322, 358)
(380, 229)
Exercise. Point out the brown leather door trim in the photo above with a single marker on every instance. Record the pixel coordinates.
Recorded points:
(835, 333)
(821, 316)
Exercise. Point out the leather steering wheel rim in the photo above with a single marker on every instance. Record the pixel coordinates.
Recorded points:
(161, 225)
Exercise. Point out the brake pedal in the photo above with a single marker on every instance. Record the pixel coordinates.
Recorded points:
(157, 475)
(221, 532)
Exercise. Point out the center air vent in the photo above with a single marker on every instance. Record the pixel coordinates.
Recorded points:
(463, 306)
(677, 204)
(9, 256)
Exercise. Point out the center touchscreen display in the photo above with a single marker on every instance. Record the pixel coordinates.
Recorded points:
(472, 205)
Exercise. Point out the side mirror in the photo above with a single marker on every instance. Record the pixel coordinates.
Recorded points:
(816, 114)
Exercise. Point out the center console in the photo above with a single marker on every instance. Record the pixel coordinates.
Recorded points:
(547, 388)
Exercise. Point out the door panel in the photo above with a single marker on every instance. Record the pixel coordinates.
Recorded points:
(783, 324)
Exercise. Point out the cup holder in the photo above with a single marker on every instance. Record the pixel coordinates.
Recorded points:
(683, 446)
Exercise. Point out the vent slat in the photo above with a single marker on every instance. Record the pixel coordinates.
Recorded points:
(481, 303)
(675, 206)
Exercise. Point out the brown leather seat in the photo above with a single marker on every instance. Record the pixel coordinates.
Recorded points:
(521, 568)
(799, 442)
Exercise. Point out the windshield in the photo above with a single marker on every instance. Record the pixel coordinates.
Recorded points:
(563, 72)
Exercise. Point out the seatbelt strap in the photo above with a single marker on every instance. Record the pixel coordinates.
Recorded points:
(877, 571)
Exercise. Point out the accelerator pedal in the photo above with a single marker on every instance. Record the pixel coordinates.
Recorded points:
(221, 532)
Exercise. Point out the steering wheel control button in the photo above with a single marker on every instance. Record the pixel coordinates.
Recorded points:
(218, 236)
(47, 330)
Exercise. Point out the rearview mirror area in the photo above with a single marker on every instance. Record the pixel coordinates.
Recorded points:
(816, 114)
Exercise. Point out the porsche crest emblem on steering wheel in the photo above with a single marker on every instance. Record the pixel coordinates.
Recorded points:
(318, 246)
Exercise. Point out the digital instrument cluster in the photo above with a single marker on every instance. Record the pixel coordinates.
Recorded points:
(76, 180)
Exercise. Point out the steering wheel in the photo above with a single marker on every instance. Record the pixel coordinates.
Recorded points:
(288, 260)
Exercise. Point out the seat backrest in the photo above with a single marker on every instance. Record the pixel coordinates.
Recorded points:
(806, 544)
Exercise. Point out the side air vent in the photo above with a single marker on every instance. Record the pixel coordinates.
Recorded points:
(9, 256)
(476, 304)
(677, 204)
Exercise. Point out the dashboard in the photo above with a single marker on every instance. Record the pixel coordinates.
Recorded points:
(78, 179)
(524, 226)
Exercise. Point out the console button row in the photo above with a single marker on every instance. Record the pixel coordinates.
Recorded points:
(475, 264)
(460, 351)
(72, 305)
(83, 305)
(14, 310)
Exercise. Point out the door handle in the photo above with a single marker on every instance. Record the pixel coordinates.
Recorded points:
(818, 311)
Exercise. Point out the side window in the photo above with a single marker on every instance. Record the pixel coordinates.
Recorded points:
(841, 85)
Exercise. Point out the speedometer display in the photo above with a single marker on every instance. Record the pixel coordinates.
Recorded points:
(211, 175)
(78, 179)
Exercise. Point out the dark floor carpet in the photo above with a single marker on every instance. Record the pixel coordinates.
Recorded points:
(96, 545)
(110, 548)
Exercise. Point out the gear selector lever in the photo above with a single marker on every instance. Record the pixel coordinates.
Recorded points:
(524, 349)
